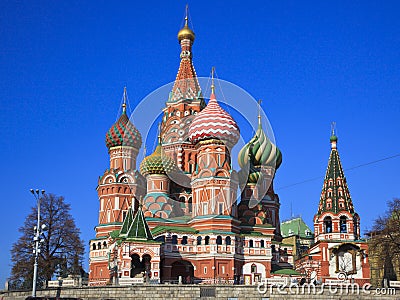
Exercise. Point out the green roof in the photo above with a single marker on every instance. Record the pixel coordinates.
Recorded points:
(295, 226)
(162, 229)
(335, 186)
(287, 272)
(215, 232)
(136, 228)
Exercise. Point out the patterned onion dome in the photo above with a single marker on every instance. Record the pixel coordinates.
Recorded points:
(259, 151)
(214, 122)
(157, 163)
(123, 133)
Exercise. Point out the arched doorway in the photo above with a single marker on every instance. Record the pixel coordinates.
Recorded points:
(140, 267)
(146, 265)
(182, 268)
(136, 266)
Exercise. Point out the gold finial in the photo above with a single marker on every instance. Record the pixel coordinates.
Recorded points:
(124, 101)
(186, 32)
(259, 111)
(212, 80)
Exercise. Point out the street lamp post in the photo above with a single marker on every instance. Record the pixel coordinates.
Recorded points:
(38, 231)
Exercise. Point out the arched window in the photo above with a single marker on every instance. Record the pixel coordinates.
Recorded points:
(228, 240)
(99, 245)
(174, 239)
(251, 244)
(94, 246)
(104, 244)
(328, 224)
(219, 240)
(343, 224)
(184, 240)
(199, 238)
(207, 240)
(262, 244)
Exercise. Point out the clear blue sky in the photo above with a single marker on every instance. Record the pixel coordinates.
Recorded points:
(64, 66)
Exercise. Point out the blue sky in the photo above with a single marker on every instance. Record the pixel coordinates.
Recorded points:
(64, 66)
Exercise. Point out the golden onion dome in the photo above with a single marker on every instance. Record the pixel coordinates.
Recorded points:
(186, 33)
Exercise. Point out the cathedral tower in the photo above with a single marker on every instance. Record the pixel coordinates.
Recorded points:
(259, 159)
(214, 183)
(338, 252)
(336, 218)
(184, 102)
(121, 180)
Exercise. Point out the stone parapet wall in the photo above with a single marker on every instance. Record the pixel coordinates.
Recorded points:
(190, 292)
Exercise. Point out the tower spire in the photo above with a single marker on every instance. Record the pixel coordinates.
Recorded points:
(333, 138)
(186, 16)
(259, 112)
(159, 134)
(124, 101)
(212, 81)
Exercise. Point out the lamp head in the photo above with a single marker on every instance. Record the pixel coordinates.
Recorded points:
(32, 191)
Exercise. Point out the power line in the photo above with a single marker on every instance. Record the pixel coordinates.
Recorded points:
(348, 169)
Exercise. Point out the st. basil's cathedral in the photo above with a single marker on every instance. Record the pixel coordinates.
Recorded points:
(178, 216)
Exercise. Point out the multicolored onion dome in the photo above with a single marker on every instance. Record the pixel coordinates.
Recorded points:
(259, 151)
(157, 163)
(214, 123)
(123, 133)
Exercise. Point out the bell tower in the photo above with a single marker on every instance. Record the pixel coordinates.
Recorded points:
(336, 218)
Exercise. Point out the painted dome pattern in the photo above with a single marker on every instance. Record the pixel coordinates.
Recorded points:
(259, 151)
(214, 122)
(123, 133)
(157, 163)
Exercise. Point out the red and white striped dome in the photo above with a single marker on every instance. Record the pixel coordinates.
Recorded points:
(214, 122)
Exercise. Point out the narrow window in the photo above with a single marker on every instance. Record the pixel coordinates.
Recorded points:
(343, 224)
(205, 208)
(184, 240)
(328, 224)
(220, 208)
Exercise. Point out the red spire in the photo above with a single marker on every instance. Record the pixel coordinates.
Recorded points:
(186, 85)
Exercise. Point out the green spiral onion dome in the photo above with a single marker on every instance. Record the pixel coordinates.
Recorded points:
(157, 163)
(259, 151)
(123, 133)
